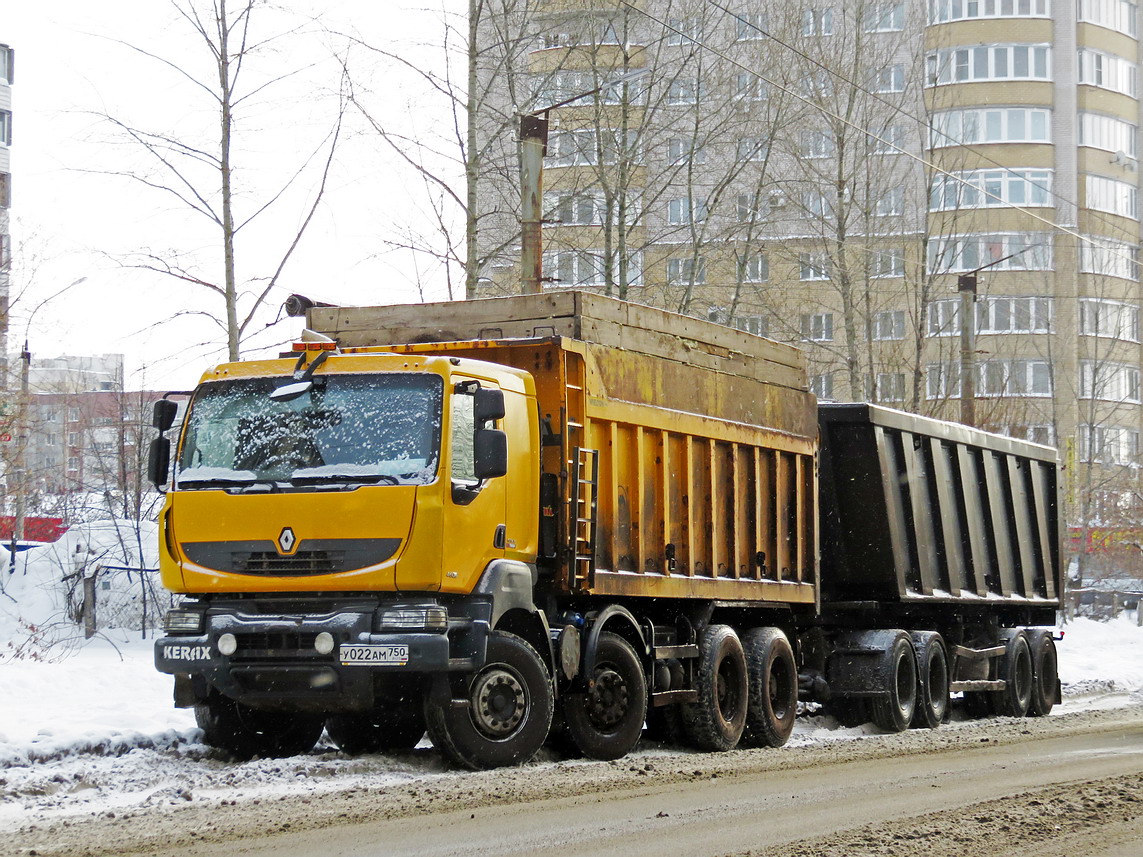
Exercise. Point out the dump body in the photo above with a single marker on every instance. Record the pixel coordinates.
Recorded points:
(680, 452)
(920, 511)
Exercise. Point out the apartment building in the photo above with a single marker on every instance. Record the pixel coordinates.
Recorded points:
(836, 173)
(7, 65)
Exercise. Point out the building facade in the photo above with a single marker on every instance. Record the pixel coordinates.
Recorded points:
(7, 67)
(834, 174)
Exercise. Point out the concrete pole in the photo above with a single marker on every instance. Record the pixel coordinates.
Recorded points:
(533, 143)
(966, 285)
(20, 464)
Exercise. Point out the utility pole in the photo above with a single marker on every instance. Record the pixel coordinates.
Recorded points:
(966, 285)
(18, 469)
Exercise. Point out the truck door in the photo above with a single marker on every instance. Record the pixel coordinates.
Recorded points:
(475, 509)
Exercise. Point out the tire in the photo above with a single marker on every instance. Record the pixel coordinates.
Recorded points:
(932, 680)
(1016, 670)
(606, 721)
(386, 729)
(715, 722)
(246, 732)
(1045, 675)
(509, 708)
(897, 671)
(772, 681)
(849, 711)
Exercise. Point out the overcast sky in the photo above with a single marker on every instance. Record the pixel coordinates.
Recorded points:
(69, 224)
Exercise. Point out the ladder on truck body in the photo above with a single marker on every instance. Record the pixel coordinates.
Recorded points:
(583, 468)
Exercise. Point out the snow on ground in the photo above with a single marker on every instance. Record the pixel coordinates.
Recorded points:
(89, 725)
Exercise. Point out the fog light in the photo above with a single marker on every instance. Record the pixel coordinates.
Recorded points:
(324, 643)
(227, 644)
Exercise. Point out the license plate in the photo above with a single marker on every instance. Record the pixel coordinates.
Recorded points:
(393, 656)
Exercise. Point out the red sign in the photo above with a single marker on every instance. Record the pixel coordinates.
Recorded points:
(35, 529)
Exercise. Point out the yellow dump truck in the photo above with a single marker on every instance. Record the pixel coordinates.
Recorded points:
(482, 518)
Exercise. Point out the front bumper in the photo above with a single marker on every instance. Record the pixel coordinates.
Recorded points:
(276, 660)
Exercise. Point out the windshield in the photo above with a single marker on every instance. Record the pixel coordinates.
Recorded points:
(347, 429)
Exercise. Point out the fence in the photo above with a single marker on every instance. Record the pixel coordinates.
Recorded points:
(1103, 604)
(116, 596)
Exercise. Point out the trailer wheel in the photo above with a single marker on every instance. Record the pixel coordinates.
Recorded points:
(1016, 670)
(508, 711)
(1045, 676)
(389, 728)
(715, 722)
(606, 721)
(897, 669)
(246, 732)
(932, 680)
(772, 680)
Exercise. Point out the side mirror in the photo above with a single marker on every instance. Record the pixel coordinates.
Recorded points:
(164, 414)
(488, 405)
(490, 453)
(159, 461)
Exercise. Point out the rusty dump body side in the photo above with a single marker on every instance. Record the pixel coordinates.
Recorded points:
(681, 452)
(919, 511)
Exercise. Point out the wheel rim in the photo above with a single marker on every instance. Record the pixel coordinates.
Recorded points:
(938, 683)
(1023, 675)
(726, 689)
(1048, 673)
(906, 683)
(499, 701)
(779, 690)
(607, 701)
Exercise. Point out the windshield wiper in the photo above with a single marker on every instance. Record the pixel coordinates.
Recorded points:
(246, 485)
(354, 478)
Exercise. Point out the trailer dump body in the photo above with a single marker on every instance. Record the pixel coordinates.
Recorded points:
(683, 449)
(916, 510)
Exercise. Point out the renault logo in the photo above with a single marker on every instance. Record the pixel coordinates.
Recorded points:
(287, 540)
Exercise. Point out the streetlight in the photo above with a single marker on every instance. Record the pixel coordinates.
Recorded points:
(533, 145)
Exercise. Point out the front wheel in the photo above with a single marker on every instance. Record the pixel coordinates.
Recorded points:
(508, 708)
(606, 721)
(246, 732)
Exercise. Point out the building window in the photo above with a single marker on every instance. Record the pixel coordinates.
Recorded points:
(822, 386)
(1119, 15)
(1021, 314)
(73, 415)
(887, 263)
(942, 381)
(988, 62)
(1107, 133)
(816, 204)
(991, 189)
(1015, 378)
(1112, 319)
(890, 386)
(73, 463)
(750, 207)
(558, 86)
(1114, 197)
(755, 268)
(817, 22)
(575, 209)
(817, 327)
(1017, 251)
(1112, 382)
(585, 147)
(755, 324)
(1108, 257)
(683, 31)
(588, 268)
(892, 140)
(891, 79)
(1108, 445)
(5, 128)
(886, 17)
(681, 150)
(813, 266)
(685, 91)
(1107, 71)
(750, 26)
(991, 125)
(817, 144)
(889, 324)
(686, 210)
(688, 271)
(891, 203)
(7, 64)
(749, 87)
(941, 11)
(752, 149)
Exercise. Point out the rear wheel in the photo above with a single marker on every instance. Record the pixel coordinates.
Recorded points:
(932, 680)
(508, 711)
(1045, 676)
(773, 688)
(391, 728)
(715, 721)
(1016, 670)
(247, 732)
(893, 710)
(606, 721)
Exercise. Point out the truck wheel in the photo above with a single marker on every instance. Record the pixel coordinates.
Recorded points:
(1016, 670)
(1045, 676)
(897, 669)
(772, 681)
(932, 680)
(390, 728)
(246, 732)
(715, 722)
(606, 721)
(509, 708)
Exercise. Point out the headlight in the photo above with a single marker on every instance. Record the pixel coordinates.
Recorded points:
(179, 621)
(431, 617)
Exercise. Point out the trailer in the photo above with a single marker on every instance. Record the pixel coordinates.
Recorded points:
(468, 517)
